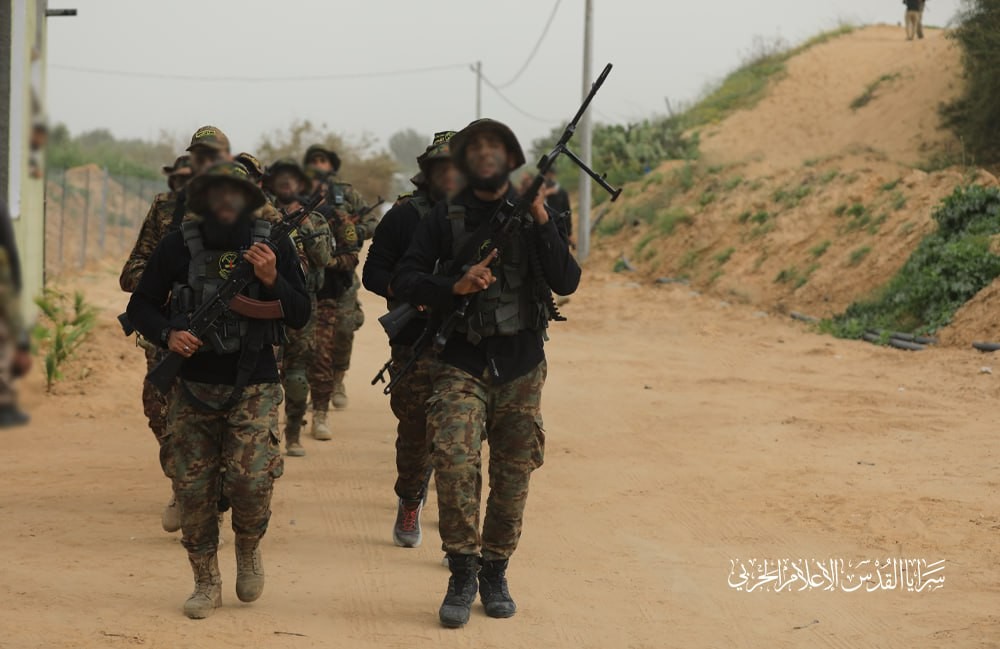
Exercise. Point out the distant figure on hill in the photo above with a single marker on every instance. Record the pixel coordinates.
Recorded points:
(914, 18)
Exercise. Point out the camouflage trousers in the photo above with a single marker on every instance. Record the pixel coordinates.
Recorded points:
(461, 408)
(235, 454)
(296, 355)
(336, 321)
(409, 403)
(154, 404)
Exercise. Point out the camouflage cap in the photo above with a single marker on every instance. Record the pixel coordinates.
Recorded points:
(289, 165)
(223, 172)
(439, 149)
(210, 137)
(460, 141)
(319, 148)
(252, 165)
(181, 167)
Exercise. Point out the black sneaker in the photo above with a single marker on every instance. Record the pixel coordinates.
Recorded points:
(457, 604)
(406, 533)
(493, 589)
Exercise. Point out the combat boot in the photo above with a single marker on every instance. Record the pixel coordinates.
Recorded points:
(249, 569)
(320, 430)
(339, 398)
(207, 595)
(493, 589)
(293, 430)
(11, 416)
(406, 532)
(171, 519)
(457, 604)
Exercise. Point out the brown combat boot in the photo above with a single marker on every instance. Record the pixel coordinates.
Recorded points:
(249, 569)
(207, 595)
(293, 431)
(339, 398)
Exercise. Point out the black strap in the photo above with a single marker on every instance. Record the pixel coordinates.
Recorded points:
(180, 208)
(250, 349)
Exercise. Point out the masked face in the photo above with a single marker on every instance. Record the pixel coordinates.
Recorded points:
(286, 186)
(320, 163)
(488, 162)
(176, 182)
(443, 180)
(203, 157)
(226, 203)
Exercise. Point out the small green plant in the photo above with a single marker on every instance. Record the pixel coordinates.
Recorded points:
(851, 178)
(685, 177)
(898, 200)
(819, 250)
(714, 277)
(760, 218)
(724, 256)
(828, 176)
(715, 170)
(732, 183)
(707, 198)
(62, 328)
(744, 217)
(868, 95)
(690, 259)
(858, 255)
(907, 228)
(668, 220)
(888, 187)
(840, 210)
(792, 275)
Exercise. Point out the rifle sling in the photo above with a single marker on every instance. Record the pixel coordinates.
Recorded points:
(249, 355)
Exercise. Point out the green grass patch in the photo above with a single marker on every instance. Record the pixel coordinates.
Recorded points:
(690, 259)
(707, 198)
(668, 220)
(872, 89)
(796, 278)
(888, 187)
(946, 270)
(858, 255)
(829, 176)
(819, 250)
(724, 256)
(732, 183)
(898, 201)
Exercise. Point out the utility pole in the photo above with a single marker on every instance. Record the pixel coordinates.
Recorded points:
(587, 133)
(479, 89)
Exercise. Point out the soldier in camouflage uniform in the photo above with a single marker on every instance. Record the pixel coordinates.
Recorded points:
(15, 348)
(323, 165)
(437, 180)
(490, 374)
(286, 182)
(222, 414)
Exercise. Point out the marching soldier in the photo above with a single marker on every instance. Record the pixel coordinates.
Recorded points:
(347, 204)
(437, 180)
(286, 181)
(222, 413)
(491, 371)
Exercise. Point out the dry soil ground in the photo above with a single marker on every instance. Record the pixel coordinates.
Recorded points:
(682, 433)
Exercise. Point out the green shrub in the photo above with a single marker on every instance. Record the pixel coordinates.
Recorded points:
(668, 220)
(819, 250)
(858, 255)
(61, 330)
(724, 256)
(946, 270)
(869, 94)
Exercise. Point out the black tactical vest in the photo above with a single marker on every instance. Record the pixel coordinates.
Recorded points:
(511, 304)
(206, 272)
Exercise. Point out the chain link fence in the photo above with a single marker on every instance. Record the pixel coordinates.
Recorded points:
(92, 215)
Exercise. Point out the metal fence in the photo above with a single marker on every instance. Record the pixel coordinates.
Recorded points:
(92, 215)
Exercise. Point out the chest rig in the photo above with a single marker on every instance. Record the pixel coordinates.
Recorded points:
(207, 271)
(511, 304)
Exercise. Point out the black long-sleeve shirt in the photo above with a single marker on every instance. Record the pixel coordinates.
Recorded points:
(391, 240)
(169, 265)
(508, 357)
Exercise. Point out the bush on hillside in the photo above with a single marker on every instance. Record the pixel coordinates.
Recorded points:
(946, 270)
(974, 115)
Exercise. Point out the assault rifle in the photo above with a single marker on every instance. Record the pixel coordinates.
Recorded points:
(202, 323)
(504, 222)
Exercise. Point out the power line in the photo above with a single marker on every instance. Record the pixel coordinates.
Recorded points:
(534, 50)
(238, 79)
(510, 103)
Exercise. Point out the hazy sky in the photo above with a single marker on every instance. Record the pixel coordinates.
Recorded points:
(660, 48)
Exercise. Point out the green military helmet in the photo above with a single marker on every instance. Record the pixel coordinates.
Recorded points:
(330, 155)
(251, 164)
(209, 137)
(285, 164)
(460, 141)
(223, 172)
(181, 167)
(439, 149)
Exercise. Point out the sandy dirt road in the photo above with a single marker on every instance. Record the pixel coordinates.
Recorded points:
(682, 433)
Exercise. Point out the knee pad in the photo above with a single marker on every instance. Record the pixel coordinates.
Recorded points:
(297, 387)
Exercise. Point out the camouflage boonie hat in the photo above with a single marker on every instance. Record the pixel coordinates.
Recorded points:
(223, 172)
(285, 164)
(181, 167)
(439, 149)
(251, 164)
(460, 141)
(330, 155)
(210, 137)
